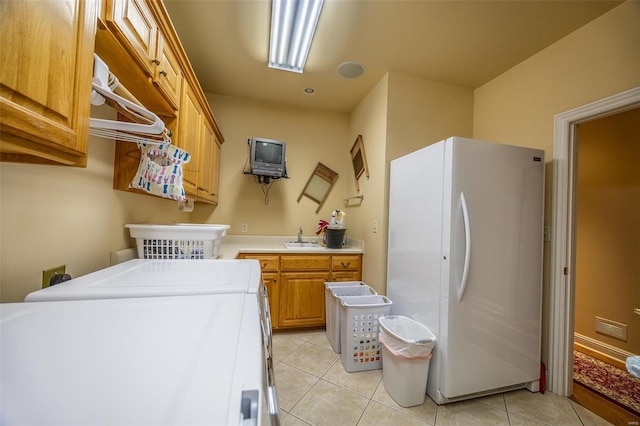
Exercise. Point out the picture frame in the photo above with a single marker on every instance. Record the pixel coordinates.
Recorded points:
(359, 160)
(319, 184)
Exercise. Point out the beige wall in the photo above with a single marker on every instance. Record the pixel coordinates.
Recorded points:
(608, 231)
(369, 119)
(598, 60)
(312, 136)
(55, 215)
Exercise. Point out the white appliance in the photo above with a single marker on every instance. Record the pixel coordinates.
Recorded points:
(146, 342)
(465, 260)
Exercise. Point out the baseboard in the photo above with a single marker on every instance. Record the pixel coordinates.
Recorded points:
(602, 351)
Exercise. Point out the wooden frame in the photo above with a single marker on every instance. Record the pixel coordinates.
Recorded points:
(359, 160)
(319, 184)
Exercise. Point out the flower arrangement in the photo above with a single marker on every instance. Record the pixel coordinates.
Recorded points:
(321, 226)
(322, 229)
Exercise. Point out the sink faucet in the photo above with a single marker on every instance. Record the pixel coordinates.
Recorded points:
(300, 235)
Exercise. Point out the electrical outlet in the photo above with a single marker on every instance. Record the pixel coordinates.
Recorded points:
(374, 227)
(245, 228)
(48, 273)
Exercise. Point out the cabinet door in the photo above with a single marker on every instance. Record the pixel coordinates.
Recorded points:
(46, 64)
(135, 27)
(189, 137)
(208, 155)
(167, 73)
(302, 299)
(270, 281)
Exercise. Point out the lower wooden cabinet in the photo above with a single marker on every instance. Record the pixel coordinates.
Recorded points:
(301, 299)
(295, 284)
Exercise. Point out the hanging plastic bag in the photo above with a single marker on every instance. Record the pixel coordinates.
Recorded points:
(406, 338)
(160, 170)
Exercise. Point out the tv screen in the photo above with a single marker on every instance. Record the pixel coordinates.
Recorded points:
(268, 152)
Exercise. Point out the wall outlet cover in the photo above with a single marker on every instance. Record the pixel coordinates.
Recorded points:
(48, 273)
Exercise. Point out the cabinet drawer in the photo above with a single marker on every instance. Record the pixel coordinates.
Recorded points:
(305, 263)
(267, 263)
(346, 262)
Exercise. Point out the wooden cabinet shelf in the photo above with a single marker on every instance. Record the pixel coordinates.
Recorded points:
(295, 284)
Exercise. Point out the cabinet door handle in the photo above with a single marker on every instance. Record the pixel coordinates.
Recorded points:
(264, 265)
(163, 73)
(156, 61)
(345, 266)
(275, 279)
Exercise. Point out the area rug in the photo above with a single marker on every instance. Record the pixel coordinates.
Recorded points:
(612, 382)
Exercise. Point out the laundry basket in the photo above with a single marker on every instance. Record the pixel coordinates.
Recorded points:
(333, 291)
(359, 320)
(178, 241)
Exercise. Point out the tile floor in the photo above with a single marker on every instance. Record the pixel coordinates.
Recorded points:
(314, 389)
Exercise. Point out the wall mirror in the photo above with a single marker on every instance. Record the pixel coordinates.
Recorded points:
(359, 160)
(319, 184)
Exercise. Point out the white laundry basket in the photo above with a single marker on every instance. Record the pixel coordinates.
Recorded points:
(333, 291)
(406, 352)
(359, 344)
(177, 241)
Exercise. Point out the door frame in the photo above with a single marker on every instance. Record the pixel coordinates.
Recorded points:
(562, 259)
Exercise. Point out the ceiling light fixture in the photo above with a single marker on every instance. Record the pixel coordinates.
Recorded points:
(293, 23)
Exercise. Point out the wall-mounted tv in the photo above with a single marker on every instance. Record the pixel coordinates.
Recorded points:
(268, 157)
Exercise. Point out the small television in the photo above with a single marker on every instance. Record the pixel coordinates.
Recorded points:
(268, 157)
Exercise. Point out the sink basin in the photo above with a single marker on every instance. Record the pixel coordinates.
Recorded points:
(302, 245)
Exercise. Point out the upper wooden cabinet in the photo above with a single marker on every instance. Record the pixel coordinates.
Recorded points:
(209, 170)
(190, 130)
(46, 64)
(139, 44)
(167, 74)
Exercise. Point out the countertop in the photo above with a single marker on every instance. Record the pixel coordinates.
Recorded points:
(232, 245)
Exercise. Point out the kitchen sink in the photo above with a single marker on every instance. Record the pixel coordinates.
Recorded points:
(302, 245)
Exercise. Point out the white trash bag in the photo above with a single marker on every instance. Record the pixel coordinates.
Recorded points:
(406, 338)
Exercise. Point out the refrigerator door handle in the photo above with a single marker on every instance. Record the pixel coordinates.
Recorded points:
(467, 251)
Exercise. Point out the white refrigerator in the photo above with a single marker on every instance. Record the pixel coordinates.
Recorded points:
(465, 260)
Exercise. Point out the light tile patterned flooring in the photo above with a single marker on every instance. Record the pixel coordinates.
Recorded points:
(314, 389)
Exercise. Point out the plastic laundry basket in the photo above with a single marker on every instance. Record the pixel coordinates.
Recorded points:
(406, 351)
(328, 304)
(360, 347)
(332, 304)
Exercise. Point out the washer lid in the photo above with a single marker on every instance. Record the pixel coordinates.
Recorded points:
(161, 360)
(146, 277)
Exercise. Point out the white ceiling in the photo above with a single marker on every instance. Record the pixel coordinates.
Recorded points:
(464, 43)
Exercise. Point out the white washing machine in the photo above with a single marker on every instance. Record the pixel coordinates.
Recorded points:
(182, 342)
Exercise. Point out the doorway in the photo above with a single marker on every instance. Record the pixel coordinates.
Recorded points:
(563, 231)
(607, 243)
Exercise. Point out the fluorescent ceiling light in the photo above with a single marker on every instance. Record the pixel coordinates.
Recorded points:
(293, 23)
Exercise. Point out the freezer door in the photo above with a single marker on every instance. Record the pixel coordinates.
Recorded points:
(492, 255)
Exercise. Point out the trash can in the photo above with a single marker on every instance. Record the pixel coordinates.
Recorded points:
(359, 321)
(406, 351)
(335, 237)
(333, 291)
